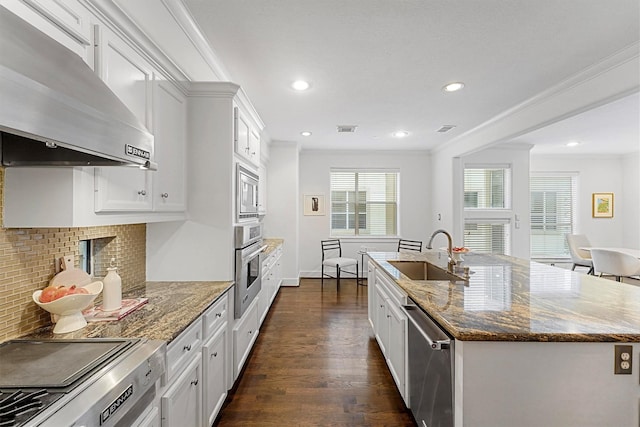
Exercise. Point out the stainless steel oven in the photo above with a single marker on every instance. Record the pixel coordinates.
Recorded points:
(248, 263)
(246, 194)
(64, 382)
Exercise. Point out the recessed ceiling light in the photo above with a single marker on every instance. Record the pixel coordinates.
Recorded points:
(400, 133)
(452, 87)
(305, 133)
(300, 85)
(573, 144)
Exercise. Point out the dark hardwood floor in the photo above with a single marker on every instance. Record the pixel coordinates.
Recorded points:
(316, 363)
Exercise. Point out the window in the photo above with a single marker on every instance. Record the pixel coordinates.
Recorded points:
(487, 204)
(553, 207)
(364, 203)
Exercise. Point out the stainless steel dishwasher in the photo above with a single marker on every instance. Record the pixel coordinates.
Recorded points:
(430, 370)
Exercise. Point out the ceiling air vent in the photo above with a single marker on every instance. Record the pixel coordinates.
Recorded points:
(445, 128)
(347, 128)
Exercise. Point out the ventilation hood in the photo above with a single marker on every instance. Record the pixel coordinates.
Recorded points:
(55, 111)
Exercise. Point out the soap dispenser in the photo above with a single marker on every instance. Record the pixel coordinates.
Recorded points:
(112, 289)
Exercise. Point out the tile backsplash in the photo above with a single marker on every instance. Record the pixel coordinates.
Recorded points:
(27, 263)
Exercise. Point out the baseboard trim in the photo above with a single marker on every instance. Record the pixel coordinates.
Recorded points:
(290, 282)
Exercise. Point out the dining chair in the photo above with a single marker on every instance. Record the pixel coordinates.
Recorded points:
(332, 257)
(409, 245)
(614, 263)
(580, 257)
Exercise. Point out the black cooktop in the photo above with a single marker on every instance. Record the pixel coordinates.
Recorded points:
(55, 363)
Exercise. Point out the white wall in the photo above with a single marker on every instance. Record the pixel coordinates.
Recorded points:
(281, 220)
(415, 204)
(601, 174)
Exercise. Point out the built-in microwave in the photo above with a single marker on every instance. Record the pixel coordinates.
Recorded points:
(246, 194)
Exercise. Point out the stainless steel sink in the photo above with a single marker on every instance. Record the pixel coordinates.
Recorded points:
(421, 270)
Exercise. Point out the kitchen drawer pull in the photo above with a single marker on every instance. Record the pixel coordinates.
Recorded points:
(165, 195)
(187, 347)
(194, 382)
(142, 192)
(215, 354)
(250, 332)
(218, 314)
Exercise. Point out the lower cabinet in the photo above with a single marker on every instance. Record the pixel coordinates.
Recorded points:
(389, 325)
(271, 278)
(214, 361)
(245, 333)
(182, 402)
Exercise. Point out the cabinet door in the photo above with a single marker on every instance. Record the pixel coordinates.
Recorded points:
(245, 333)
(130, 77)
(214, 355)
(65, 21)
(397, 346)
(382, 321)
(242, 130)
(254, 147)
(182, 403)
(371, 293)
(170, 134)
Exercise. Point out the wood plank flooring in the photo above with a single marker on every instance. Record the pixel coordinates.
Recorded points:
(316, 363)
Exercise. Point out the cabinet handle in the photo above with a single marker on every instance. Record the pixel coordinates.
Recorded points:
(194, 382)
(247, 149)
(218, 314)
(250, 332)
(187, 347)
(215, 354)
(165, 195)
(142, 192)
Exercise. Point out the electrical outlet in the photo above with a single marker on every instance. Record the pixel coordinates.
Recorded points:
(623, 359)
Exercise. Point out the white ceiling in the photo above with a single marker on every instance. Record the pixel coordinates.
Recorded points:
(381, 65)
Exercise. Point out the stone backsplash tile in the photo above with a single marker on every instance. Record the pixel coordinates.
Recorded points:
(27, 263)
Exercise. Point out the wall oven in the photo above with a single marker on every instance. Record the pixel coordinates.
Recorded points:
(249, 247)
(246, 194)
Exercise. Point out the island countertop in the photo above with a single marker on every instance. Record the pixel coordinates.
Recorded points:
(511, 299)
(172, 306)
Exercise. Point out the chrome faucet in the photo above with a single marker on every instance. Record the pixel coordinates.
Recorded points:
(452, 261)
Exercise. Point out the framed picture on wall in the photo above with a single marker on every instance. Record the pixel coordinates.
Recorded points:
(314, 204)
(602, 205)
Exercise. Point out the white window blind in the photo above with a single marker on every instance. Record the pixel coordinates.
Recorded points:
(553, 208)
(491, 236)
(364, 203)
(487, 188)
(487, 201)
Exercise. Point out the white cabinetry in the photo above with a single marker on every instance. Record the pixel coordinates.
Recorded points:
(262, 189)
(389, 325)
(245, 333)
(65, 21)
(215, 359)
(131, 78)
(271, 279)
(182, 400)
(246, 137)
(170, 131)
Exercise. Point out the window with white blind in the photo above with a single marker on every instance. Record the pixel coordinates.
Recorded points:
(553, 209)
(364, 203)
(487, 204)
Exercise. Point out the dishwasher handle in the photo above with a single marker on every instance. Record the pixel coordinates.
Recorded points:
(412, 312)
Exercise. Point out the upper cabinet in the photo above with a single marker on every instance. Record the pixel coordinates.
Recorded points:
(246, 137)
(131, 78)
(170, 130)
(65, 21)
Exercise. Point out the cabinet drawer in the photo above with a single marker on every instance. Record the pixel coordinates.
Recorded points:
(181, 350)
(215, 316)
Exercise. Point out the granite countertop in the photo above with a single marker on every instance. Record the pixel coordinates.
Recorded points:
(171, 308)
(511, 299)
(272, 245)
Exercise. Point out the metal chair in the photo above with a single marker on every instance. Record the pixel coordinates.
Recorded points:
(580, 257)
(409, 245)
(332, 257)
(614, 263)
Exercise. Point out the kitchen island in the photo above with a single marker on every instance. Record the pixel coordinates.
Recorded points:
(534, 344)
